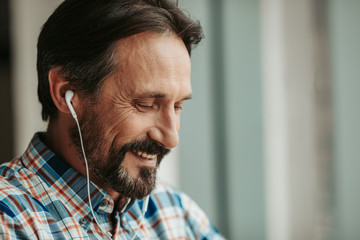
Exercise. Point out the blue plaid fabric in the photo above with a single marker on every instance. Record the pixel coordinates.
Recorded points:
(42, 197)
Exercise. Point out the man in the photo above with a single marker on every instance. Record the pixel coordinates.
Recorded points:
(113, 76)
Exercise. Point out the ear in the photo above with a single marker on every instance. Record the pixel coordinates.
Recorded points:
(58, 87)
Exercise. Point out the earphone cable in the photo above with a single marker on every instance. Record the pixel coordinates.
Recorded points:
(108, 234)
(145, 203)
(69, 94)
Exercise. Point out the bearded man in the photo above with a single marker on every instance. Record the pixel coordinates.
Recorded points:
(112, 79)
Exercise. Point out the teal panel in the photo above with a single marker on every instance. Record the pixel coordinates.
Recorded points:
(344, 19)
(221, 147)
(196, 132)
(242, 71)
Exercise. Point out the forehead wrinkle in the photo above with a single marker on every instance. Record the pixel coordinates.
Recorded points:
(160, 95)
(134, 47)
(141, 65)
(131, 47)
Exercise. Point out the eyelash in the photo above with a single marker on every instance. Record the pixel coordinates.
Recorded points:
(177, 108)
(145, 106)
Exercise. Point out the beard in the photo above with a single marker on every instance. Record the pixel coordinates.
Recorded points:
(107, 165)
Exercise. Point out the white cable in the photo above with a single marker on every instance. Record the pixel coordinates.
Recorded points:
(108, 234)
(143, 211)
(145, 202)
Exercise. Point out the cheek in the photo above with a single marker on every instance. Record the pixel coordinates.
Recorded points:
(178, 121)
(131, 128)
(130, 165)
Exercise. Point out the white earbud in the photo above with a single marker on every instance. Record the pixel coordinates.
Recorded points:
(68, 96)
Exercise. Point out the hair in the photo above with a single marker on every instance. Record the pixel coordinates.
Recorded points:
(79, 40)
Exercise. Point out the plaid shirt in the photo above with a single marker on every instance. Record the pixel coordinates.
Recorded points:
(42, 197)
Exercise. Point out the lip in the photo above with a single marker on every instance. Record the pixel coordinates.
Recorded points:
(145, 161)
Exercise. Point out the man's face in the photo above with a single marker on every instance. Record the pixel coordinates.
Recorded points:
(136, 120)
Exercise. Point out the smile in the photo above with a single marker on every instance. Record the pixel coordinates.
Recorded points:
(145, 155)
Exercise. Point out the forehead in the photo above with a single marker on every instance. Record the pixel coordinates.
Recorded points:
(149, 61)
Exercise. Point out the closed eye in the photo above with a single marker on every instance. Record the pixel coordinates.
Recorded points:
(178, 108)
(149, 106)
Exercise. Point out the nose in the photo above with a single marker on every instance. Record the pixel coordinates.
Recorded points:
(165, 129)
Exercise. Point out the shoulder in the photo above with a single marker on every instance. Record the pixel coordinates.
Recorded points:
(13, 179)
(170, 200)
(10, 180)
(22, 216)
(167, 195)
(15, 194)
(167, 200)
(170, 196)
(8, 169)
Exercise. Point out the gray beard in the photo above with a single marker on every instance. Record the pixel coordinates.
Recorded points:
(107, 167)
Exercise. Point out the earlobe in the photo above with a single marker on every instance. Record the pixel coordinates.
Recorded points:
(58, 87)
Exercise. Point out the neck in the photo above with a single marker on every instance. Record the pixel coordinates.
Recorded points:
(55, 138)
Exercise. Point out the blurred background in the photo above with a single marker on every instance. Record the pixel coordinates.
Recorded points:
(270, 144)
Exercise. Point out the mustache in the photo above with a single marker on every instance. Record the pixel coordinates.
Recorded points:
(148, 146)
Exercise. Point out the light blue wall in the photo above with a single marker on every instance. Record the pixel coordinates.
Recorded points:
(344, 22)
(243, 94)
(221, 137)
(221, 134)
(196, 132)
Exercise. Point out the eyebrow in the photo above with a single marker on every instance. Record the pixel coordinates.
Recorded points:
(162, 95)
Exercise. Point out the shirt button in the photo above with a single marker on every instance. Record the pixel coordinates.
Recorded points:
(103, 204)
(83, 222)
